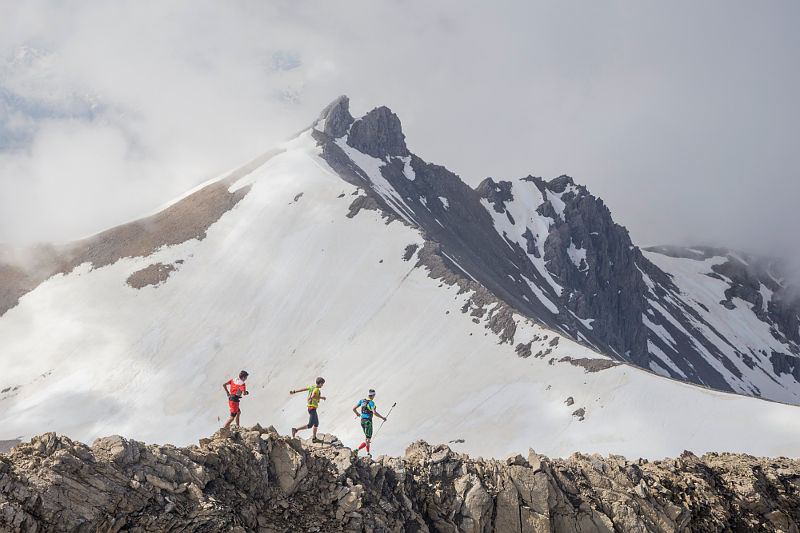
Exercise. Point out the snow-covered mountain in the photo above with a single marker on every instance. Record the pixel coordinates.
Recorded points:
(511, 315)
(552, 251)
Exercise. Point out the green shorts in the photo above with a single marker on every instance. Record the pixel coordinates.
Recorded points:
(366, 425)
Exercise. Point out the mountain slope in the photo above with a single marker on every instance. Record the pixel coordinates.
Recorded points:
(324, 265)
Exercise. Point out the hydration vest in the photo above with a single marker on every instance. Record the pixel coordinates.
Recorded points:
(237, 389)
(313, 400)
(365, 410)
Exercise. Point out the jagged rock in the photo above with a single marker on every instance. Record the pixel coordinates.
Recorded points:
(336, 119)
(379, 134)
(116, 449)
(515, 459)
(524, 350)
(289, 467)
(350, 500)
(785, 364)
(495, 193)
(256, 480)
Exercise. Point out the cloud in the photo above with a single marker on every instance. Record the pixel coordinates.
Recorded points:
(683, 117)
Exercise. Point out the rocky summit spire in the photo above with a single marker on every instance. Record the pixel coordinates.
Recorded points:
(379, 134)
(335, 119)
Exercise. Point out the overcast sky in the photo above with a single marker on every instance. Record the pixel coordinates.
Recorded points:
(683, 116)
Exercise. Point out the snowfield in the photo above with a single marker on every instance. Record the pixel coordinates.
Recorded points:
(288, 287)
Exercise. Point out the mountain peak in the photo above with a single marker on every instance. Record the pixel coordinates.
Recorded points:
(560, 183)
(379, 134)
(335, 119)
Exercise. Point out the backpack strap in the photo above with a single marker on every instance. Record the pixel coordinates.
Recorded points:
(365, 406)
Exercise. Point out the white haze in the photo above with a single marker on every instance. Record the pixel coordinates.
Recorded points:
(682, 116)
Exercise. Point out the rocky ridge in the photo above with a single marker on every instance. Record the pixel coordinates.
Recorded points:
(256, 480)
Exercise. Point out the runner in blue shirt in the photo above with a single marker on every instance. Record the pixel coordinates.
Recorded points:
(367, 406)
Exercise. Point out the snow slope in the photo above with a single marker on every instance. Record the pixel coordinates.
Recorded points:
(288, 287)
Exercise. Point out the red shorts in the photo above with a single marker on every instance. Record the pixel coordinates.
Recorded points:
(234, 407)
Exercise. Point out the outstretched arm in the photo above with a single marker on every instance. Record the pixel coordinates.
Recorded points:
(298, 390)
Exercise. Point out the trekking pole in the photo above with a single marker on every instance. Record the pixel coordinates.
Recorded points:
(387, 416)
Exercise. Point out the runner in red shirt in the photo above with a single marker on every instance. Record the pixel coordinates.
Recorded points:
(238, 389)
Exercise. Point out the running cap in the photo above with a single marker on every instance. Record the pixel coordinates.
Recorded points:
(372, 392)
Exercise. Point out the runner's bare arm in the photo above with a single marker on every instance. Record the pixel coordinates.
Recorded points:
(356, 412)
(225, 387)
(298, 390)
(379, 415)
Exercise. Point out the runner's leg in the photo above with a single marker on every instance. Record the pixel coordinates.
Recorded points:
(234, 409)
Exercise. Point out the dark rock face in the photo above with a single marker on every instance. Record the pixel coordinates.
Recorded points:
(337, 117)
(784, 310)
(255, 480)
(495, 193)
(785, 364)
(606, 285)
(378, 134)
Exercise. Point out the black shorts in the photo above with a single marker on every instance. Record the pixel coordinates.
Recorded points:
(366, 425)
(313, 419)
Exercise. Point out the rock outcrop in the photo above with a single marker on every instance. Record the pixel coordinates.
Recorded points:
(379, 134)
(336, 118)
(256, 480)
